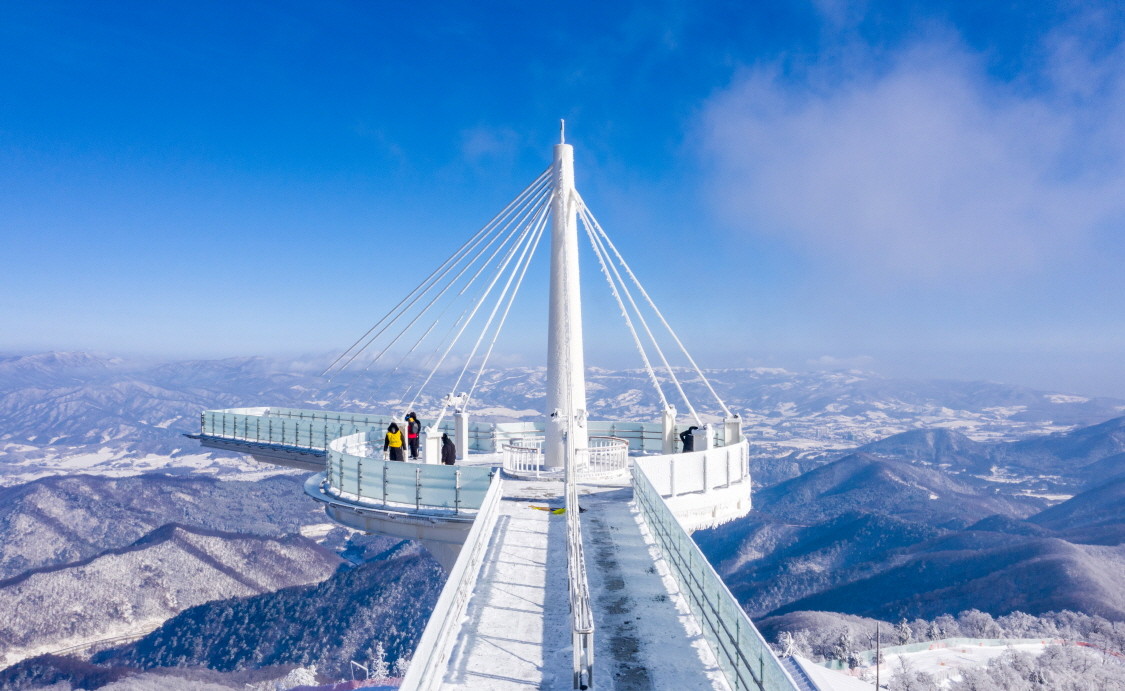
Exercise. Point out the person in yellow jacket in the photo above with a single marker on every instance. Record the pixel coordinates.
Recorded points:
(393, 442)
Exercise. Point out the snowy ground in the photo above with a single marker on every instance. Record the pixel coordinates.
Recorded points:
(112, 462)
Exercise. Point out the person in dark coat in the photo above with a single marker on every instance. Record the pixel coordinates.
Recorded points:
(413, 430)
(448, 450)
(687, 438)
(393, 442)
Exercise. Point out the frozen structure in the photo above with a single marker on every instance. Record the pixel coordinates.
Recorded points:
(541, 592)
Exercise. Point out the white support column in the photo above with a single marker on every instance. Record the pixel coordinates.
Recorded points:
(430, 442)
(566, 370)
(668, 430)
(732, 430)
(461, 433)
(703, 438)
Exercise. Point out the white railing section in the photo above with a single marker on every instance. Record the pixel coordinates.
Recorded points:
(355, 472)
(698, 471)
(524, 458)
(747, 662)
(313, 429)
(606, 456)
(431, 657)
(581, 616)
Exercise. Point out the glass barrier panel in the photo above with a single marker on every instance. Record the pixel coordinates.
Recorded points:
(371, 485)
(473, 487)
(438, 486)
(401, 482)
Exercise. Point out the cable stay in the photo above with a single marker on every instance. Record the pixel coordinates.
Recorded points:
(543, 180)
(601, 232)
(504, 248)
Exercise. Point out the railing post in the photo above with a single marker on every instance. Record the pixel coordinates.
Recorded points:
(359, 477)
(385, 481)
(417, 488)
(456, 491)
(706, 462)
(672, 477)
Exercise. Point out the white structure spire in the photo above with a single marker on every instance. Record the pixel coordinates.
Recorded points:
(566, 371)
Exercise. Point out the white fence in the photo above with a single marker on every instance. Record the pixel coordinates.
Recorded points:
(697, 471)
(604, 458)
(431, 657)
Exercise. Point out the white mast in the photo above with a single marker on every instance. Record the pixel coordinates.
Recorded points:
(566, 383)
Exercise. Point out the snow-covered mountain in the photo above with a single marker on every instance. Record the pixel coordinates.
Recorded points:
(906, 528)
(875, 496)
(134, 589)
(62, 412)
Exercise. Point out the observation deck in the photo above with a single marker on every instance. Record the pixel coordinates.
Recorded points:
(520, 607)
(502, 621)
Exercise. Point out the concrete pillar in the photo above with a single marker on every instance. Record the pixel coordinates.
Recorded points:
(566, 368)
(732, 430)
(668, 430)
(703, 438)
(461, 433)
(430, 443)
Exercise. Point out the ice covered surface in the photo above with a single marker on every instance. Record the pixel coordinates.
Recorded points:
(516, 632)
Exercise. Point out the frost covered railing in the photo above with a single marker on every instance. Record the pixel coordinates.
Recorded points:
(431, 657)
(355, 472)
(605, 457)
(581, 615)
(742, 653)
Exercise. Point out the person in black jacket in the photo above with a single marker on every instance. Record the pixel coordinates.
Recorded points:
(448, 450)
(413, 430)
(687, 438)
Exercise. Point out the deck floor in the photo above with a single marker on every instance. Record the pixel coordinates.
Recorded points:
(516, 633)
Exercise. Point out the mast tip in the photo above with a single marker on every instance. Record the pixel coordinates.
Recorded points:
(562, 131)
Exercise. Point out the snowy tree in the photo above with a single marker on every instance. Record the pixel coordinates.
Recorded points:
(844, 649)
(977, 624)
(903, 633)
(379, 667)
(906, 678)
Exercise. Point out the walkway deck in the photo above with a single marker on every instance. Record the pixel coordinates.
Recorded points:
(516, 633)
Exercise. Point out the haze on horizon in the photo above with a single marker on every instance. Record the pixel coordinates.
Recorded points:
(925, 190)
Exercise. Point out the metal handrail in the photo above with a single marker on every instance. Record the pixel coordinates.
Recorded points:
(581, 614)
(745, 658)
(431, 657)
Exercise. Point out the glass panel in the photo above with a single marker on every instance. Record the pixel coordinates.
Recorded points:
(400, 485)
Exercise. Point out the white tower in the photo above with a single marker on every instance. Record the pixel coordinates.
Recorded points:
(566, 370)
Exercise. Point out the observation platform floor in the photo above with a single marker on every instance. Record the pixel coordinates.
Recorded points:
(516, 633)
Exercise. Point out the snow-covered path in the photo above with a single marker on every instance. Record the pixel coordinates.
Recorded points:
(516, 633)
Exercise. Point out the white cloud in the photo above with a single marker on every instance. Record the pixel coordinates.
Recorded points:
(924, 167)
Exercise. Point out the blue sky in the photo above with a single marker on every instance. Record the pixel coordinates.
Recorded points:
(918, 189)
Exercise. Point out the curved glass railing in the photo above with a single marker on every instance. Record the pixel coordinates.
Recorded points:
(313, 429)
(356, 472)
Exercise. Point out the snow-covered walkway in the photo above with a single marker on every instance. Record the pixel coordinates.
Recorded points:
(517, 629)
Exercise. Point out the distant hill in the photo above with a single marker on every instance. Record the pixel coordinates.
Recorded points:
(1060, 461)
(1097, 515)
(139, 586)
(898, 488)
(58, 520)
(328, 624)
(911, 535)
(113, 411)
